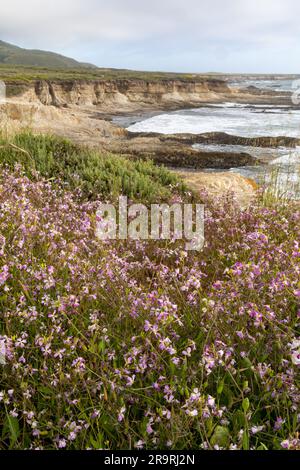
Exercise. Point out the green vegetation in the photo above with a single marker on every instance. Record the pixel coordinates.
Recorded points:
(16, 73)
(93, 173)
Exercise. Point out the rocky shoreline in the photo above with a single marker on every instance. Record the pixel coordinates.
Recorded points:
(84, 111)
(178, 153)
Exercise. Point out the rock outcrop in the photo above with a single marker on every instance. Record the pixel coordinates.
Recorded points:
(222, 184)
(77, 126)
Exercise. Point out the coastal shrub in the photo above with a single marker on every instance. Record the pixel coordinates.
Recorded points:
(94, 174)
(123, 345)
(21, 74)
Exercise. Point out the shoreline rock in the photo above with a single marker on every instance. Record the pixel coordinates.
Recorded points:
(221, 138)
(178, 154)
(221, 184)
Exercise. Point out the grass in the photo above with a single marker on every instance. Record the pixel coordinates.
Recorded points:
(283, 183)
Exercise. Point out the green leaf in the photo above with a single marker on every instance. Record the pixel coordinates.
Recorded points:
(246, 404)
(101, 346)
(245, 442)
(209, 426)
(220, 387)
(262, 447)
(245, 385)
(228, 396)
(220, 437)
(11, 427)
(97, 443)
(239, 420)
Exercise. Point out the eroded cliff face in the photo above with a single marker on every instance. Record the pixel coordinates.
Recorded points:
(123, 94)
(79, 126)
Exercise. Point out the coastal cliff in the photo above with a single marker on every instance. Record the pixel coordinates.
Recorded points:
(127, 95)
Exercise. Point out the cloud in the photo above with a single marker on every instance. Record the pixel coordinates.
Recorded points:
(161, 34)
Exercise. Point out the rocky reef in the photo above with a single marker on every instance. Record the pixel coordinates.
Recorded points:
(174, 152)
(222, 138)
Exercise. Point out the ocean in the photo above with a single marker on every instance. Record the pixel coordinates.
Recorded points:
(243, 120)
(274, 85)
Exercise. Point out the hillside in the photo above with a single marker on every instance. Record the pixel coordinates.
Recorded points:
(14, 55)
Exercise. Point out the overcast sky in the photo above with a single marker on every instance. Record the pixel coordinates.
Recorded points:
(171, 35)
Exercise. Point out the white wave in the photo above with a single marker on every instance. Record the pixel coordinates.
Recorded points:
(247, 106)
(291, 158)
(227, 105)
(240, 121)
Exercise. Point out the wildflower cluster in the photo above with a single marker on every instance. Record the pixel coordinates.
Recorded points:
(143, 345)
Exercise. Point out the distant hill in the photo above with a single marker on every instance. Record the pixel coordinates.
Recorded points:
(14, 55)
